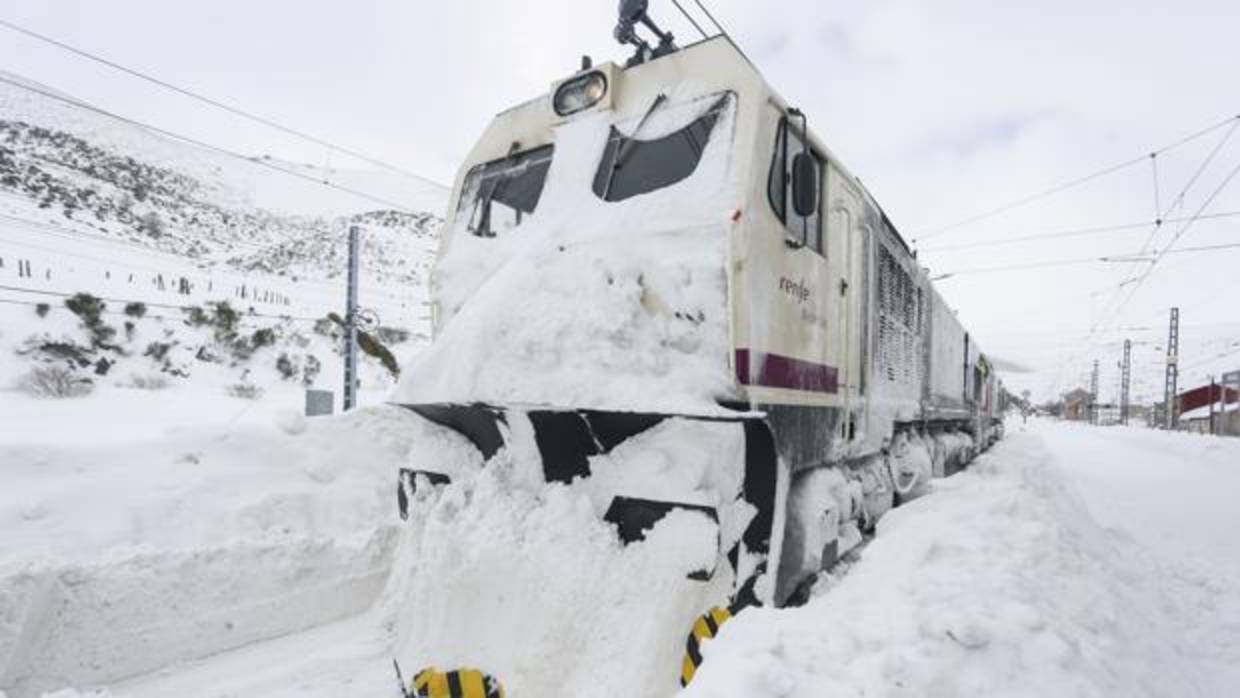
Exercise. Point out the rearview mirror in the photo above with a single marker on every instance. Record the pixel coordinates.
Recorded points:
(804, 184)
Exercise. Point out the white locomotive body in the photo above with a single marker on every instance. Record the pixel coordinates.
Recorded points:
(670, 241)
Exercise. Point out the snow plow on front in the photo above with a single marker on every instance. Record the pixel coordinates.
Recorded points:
(682, 362)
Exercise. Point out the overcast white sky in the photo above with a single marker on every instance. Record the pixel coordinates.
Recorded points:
(944, 109)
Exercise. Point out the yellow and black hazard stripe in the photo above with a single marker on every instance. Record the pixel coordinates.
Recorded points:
(704, 628)
(461, 683)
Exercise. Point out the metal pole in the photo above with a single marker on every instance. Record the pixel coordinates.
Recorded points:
(1212, 430)
(1230, 386)
(1093, 395)
(1173, 358)
(350, 324)
(1125, 383)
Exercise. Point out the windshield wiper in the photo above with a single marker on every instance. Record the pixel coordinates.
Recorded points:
(624, 147)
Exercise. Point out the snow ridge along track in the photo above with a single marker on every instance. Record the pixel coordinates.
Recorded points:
(1001, 583)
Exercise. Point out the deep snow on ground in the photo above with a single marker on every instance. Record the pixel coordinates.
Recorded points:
(143, 528)
(1172, 498)
(1070, 560)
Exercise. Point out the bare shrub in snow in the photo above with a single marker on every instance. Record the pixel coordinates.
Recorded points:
(135, 309)
(310, 372)
(87, 307)
(328, 326)
(157, 350)
(90, 310)
(226, 318)
(153, 381)
(196, 316)
(264, 337)
(287, 366)
(152, 225)
(54, 381)
(245, 391)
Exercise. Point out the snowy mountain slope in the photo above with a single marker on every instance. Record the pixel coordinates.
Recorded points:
(92, 204)
(230, 182)
(102, 179)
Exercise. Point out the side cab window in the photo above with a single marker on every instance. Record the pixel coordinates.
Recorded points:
(801, 231)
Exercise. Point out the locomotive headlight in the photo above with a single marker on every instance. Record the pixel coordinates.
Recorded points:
(579, 93)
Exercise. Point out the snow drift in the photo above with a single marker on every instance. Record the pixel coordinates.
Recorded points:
(998, 584)
(128, 558)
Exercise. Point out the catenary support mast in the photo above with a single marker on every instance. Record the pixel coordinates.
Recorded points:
(1125, 382)
(350, 324)
(1173, 357)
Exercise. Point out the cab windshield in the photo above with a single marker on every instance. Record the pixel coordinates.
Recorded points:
(498, 195)
(638, 163)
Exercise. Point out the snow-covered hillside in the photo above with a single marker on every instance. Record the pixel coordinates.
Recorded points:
(67, 173)
(162, 310)
(90, 203)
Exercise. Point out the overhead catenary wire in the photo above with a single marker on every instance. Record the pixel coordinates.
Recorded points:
(1139, 281)
(1209, 359)
(1073, 232)
(1122, 258)
(206, 146)
(236, 111)
(1017, 203)
(1178, 201)
(1157, 192)
(711, 17)
(689, 17)
(1117, 301)
(1136, 282)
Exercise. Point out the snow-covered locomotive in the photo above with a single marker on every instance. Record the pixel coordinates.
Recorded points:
(665, 251)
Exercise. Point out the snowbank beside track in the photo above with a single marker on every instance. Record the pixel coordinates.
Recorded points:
(999, 584)
(123, 558)
(87, 624)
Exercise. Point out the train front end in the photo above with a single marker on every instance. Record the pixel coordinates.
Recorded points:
(585, 494)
